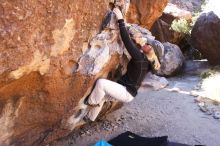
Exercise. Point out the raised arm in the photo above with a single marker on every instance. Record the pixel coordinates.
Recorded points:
(130, 46)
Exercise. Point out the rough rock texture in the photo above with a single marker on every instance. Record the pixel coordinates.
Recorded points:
(189, 5)
(41, 43)
(51, 53)
(155, 81)
(172, 61)
(161, 28)
(142, 12)
(205, 37)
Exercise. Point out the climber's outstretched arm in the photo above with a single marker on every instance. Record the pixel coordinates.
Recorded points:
(130, 46)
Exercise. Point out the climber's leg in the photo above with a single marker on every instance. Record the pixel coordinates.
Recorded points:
(105, 88)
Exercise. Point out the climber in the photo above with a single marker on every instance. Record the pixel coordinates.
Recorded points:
(126, 87)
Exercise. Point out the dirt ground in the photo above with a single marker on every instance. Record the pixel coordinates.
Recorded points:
(169, 111)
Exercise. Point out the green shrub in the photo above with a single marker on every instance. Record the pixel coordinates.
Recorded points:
(181, 25)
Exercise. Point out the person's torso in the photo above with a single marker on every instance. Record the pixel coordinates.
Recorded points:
(136, 71)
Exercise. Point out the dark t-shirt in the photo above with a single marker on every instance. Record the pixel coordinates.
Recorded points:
(137, 67)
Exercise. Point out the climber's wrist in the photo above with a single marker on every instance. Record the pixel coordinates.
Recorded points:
(118, 13)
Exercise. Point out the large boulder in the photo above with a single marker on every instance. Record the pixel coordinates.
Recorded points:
(51, 54)
(145, 12)
(205, 36)
(162, 27)
(172, 61)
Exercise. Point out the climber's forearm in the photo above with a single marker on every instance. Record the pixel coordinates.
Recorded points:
(132, 49)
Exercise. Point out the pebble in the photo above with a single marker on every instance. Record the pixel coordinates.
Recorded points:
(118, 119)
(131, 117)
(203, 107)
(87, 132)
(118, 122)
(216, 115)
(201, 104)
(209, 112)
(198, 99)
(175, 89)
(197, 87)
(83, 134)
(122, 117)
(194, 93)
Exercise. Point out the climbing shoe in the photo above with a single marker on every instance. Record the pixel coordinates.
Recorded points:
(86, 102)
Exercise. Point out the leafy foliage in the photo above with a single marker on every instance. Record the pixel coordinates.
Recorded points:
(181, 25)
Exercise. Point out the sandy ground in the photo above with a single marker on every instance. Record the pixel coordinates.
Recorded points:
(155, 113)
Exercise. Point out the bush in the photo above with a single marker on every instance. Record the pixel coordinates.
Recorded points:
(183, 26)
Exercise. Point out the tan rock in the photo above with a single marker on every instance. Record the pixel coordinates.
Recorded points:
(51, 54)
(145, 12)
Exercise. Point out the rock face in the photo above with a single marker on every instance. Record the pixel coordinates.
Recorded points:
(190, 5)
(41, 43)
(172, 61)
(142, 12)
(161, 28)
(205, 37)
(51, 54)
